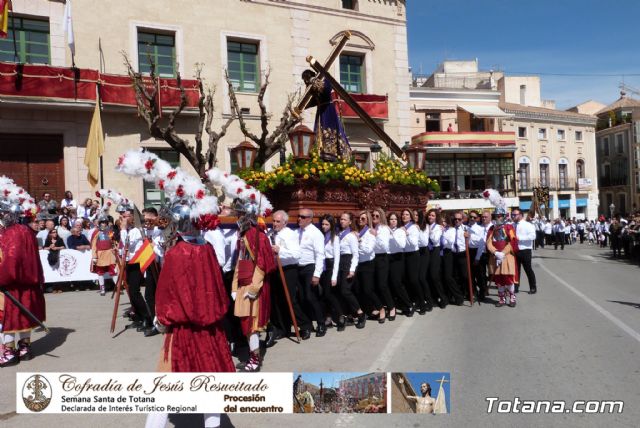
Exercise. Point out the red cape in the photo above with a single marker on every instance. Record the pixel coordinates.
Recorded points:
(21, 275)
(191, 301)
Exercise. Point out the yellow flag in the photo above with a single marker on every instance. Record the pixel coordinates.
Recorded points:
(5, 7)
(95, 147)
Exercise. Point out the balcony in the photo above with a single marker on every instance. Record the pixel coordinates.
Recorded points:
(466, 142)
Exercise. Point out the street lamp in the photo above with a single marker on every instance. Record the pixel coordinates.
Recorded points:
(612, 208)
(302, 141)
(244, 155)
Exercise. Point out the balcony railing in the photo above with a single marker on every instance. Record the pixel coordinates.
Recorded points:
(465, 139)
(556, 184)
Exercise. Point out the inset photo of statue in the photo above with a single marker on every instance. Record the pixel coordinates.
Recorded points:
(428, 393)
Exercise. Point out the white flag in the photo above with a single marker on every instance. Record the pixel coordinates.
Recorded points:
(67, 28)
(441, 403)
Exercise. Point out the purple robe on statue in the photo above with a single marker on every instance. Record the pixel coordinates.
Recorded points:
(330, 136)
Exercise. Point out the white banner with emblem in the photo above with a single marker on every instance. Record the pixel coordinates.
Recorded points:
(73, 265)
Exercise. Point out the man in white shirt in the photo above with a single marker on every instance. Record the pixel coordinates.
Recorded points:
(477, 243)
(558, 234)
(286, 246)
(526, 234)
(131, 241)
(310, 267)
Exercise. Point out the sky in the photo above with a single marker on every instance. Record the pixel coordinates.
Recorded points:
(431, 378)
(569, 43)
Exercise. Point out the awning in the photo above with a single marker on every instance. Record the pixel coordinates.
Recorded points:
(484, 111)
(525, 205)
(581, 202)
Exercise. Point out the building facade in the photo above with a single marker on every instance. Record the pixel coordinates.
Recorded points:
(48, 135)
(618, 152)
(555, 148)
(456, 120)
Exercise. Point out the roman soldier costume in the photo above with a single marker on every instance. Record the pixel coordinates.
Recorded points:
(21, 273)
(502, 245)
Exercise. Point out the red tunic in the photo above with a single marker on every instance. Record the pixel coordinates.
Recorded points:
(259, 243)
(191, 301)
(21, 275)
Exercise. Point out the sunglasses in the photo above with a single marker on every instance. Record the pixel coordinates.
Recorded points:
(458, 219)
(375, 215)
(303, 216)
(474, 217)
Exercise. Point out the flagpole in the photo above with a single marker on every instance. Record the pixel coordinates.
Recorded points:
(15, 43)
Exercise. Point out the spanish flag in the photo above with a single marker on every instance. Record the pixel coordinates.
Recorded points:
(5, 7)
(145, 256)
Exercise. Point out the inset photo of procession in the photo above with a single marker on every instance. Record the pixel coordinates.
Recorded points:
(428, 392)
(336, 392)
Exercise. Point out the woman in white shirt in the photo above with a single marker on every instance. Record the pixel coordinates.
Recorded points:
(64, 230)
(381, 263)
(412, 261)
(435, 259)
(423, 250)
(347, 271)
(329, 278)
(366, 271)
(397, 242)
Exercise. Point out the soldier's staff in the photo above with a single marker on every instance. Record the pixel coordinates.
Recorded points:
(24, 310)
(469, 279)
(118, 289)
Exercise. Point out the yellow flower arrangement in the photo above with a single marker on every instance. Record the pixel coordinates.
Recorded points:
(386, 171)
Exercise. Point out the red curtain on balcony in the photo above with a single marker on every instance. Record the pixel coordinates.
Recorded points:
(376, 106)
(47, 83)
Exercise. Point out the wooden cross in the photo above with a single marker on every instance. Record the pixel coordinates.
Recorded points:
(346, 97)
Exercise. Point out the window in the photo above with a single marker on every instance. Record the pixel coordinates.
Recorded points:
(159, 49)
(562, 176)
(523, 173)
(243, 65)
(523, 94)
(351, 73)
(522, 132)
(561, 135)
(619, 143)
(154, 196)
(32, 41)
(432, 122)
(350, 4)
(580, 168)
(622, 204)
(605, 146)
(544, 174)
(578, 135)
(542, 133)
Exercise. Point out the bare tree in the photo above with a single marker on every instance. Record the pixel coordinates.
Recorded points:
(268, 143)
(146, 90)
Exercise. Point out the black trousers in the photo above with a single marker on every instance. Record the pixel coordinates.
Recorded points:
(311, 295)
(435, 276)
(539, 239)
(423, 275)
(478, 275)
(396, 280)
(412, 276)
(381, 269)
(346, 285)
(483, 266)
(523, 257)
(331, 294)
(581, 235)
(135, 281)
(549, 238)
(152, 273)
(451, 267)
(280, 316)
(559, 239)
(365, 273)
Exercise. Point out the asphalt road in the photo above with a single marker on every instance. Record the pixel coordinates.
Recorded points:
(577, 339)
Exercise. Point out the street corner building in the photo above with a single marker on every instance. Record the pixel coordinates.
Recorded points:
(52, 74)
